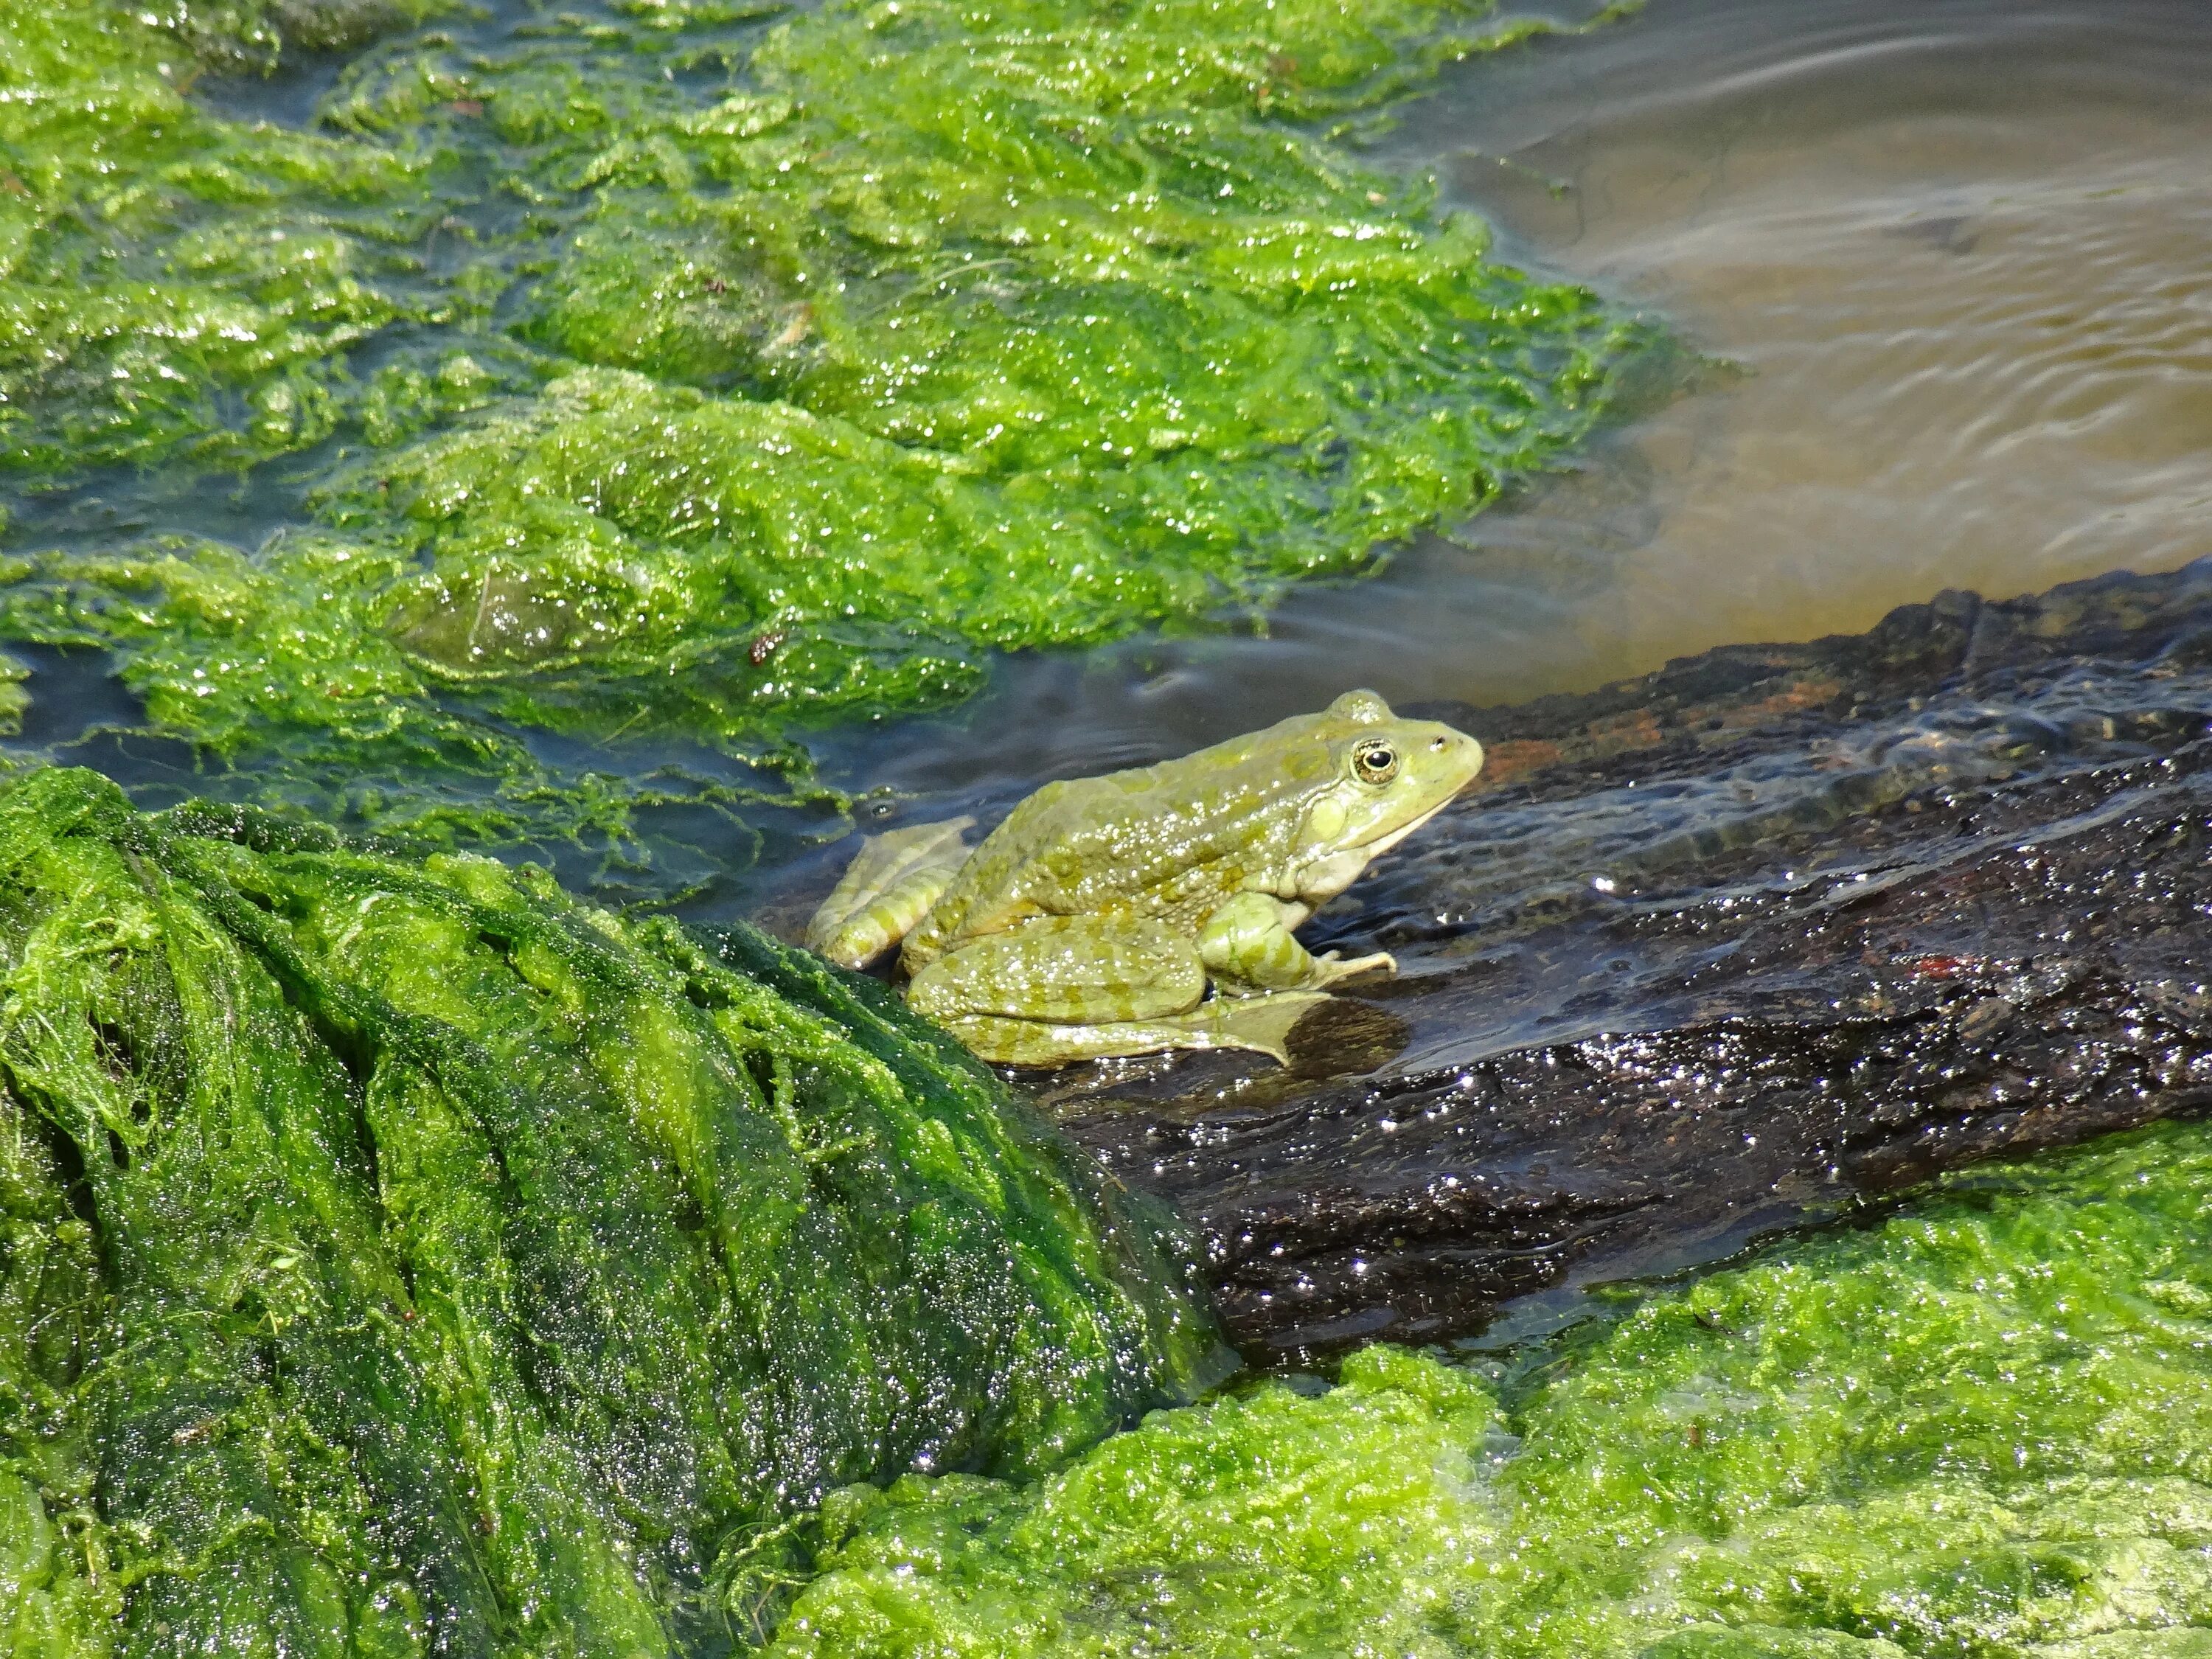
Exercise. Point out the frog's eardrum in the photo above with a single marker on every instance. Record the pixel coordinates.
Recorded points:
(397, 1248)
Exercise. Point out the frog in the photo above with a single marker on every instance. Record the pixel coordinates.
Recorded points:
(1155, 908)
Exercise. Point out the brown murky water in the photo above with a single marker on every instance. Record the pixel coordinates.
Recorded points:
(1964, 260)
(1954, 265)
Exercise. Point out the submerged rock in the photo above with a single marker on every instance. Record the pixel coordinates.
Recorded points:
(399, 1249)
(1719, 949)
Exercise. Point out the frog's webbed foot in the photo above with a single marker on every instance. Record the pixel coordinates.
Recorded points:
(1260, 1024)
(1247, 942)
(888, 887)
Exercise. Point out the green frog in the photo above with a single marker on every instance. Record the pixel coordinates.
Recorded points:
(1096, 919)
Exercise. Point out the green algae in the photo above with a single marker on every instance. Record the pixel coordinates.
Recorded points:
(57, 1593)
(1981, 1428)
(659, 372)
(14, 696)
(155, 260)
(321, 706)
(401, 1259)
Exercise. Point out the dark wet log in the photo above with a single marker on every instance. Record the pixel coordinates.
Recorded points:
(1718, 950)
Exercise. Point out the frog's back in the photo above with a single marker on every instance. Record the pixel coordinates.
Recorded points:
(1167, 839)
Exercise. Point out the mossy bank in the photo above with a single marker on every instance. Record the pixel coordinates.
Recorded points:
(402, 1259)
(1979, 1430)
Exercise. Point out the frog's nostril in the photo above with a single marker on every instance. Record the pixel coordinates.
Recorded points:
(1435, 743)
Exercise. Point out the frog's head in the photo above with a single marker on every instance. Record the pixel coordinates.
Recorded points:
(1387, 777)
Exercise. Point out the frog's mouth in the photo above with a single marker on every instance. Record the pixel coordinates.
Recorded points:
(1383, 842)
(1325, 877)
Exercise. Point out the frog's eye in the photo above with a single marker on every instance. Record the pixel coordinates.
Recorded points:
(1375, 761)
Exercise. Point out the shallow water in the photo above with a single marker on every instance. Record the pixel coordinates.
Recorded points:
(1940, 276)
(663, 399)
(1824, 928)
(1950, 264)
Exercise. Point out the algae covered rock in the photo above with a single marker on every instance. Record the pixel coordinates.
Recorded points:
(402, 1259)
(1978, 1428)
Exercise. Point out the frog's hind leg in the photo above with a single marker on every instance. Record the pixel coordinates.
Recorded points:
(888, 887)
(1064, 989)
(1260, 1024)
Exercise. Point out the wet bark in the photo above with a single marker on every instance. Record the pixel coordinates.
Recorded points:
(1718, 950)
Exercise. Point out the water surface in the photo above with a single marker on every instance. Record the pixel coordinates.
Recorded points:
(1952, 266)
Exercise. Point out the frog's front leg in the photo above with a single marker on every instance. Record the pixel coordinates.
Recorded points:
(1248, 943)
(1062, 988)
